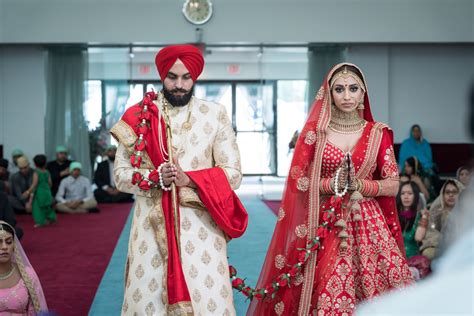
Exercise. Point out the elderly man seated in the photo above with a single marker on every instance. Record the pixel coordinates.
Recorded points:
(75, 193)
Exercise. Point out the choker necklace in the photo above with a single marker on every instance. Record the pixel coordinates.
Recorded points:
(346, 122)
(7, 275)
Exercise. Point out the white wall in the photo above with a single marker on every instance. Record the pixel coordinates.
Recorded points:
(23, 99)
(424, 84)
(255, 21)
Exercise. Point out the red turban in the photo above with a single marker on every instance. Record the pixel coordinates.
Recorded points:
(190, 55)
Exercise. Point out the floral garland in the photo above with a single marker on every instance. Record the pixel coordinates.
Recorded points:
(285, 278)
(142, 129)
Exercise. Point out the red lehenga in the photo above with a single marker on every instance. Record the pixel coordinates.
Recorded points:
(334, 280)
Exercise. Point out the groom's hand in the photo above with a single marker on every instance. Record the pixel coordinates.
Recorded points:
(182, 179)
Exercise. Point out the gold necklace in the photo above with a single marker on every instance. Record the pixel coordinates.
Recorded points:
(346, 122)
(187, 125)
(8, 274)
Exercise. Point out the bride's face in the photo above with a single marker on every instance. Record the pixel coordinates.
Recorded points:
(6, 247)
(347, 94)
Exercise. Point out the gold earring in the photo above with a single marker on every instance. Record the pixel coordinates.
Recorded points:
(361, 106)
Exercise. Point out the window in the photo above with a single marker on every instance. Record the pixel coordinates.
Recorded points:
(264, 114)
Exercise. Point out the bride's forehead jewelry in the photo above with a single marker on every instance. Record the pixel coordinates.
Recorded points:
(346, 73)
(4, 233)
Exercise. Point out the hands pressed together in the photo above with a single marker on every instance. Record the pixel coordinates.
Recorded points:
(347, 176)
(173, 173)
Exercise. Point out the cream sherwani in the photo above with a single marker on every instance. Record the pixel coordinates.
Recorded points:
(211, 142)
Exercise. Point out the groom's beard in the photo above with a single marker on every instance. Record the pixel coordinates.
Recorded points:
(175, 100)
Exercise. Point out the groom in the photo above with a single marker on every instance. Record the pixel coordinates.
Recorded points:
(177, 257)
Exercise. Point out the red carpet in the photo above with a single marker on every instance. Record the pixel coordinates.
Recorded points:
(273, 205)
(71, 256)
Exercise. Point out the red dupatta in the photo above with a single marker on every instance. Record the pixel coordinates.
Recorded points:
(299, 216)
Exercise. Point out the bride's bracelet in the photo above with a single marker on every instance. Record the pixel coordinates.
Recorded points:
(336, 185)
(162, 184)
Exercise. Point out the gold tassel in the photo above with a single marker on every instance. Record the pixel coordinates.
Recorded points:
(340, 223)
(355, 206)
(343, 234)
(357, 217)
(343, 245)
(356, 196)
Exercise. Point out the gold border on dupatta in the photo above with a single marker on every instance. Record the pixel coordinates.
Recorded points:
(375, 139)
(28, 281)
(180, 309)
(313, 211)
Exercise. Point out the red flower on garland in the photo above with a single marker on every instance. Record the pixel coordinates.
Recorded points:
(327, 216)
(144, 185)
(137, 177)
(140, 146)
(232, 271)
(238, 283)
(144, 115)
(322, 232)
(293, 271)
(258, 295)
(154, 176)
(270, 289)
(302, 256)
(246, 290)
(136, 161)
(283, 280)
(143, 129)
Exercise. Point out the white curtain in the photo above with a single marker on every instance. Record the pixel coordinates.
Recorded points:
(65, 123)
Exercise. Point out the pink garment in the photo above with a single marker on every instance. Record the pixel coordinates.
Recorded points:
(15, 300)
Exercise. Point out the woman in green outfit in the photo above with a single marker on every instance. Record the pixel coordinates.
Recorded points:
(413, 222)
(43, 212)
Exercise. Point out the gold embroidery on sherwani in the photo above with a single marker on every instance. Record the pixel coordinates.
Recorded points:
(153, 285)
(221, 268)
(198, 265)
(150, 309)
(209, 282)
(211, 305)
(189, 247)
(204, 109)
(193, 272)
(206, 258)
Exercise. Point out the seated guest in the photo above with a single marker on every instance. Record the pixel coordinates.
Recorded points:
(4, 176)
(416, 146)
(439, 213)
(20, 182)
(20, 288)
(413, 219)
(13, 167)
(75, 193)
(59, 168)
(106, 191)
(414, 172)
(7, 214)
(463, 175)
